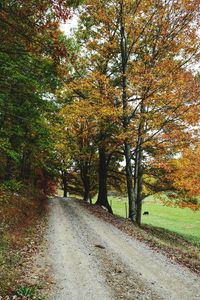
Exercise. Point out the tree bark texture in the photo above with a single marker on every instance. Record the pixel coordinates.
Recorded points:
(138, 184)
(129, 182)
(102, 199)
(138, 174)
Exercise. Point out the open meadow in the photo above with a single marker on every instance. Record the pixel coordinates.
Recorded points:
(182, 221)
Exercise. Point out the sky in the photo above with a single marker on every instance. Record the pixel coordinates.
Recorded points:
(69, 25)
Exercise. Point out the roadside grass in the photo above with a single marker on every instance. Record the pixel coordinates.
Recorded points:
(183, 222)
(59, 192)
(174, 245)
(7, 264)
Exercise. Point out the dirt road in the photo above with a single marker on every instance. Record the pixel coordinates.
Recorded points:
(93, 260)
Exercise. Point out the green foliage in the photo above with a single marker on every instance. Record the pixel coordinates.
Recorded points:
(194, 201)
(29, 76)
(12, 185)
(25, 291)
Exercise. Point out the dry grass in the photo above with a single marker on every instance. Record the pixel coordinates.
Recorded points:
(19, 213)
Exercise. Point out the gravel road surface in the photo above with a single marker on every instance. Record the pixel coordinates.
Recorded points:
(93, 260)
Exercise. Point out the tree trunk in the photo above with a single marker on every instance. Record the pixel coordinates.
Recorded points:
(138, 174)
(85, 176)
(26, 165)
(138, 183)
(86, 196)
(64, 189)
(127, 148)
(129, 181)
(65, 185)
(9, 168)
(102, 199)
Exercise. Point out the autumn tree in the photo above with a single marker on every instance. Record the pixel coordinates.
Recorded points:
(180, 178)
(90, 84)
(78, 121)
(144, 48)
(96, 125)
(186, 175)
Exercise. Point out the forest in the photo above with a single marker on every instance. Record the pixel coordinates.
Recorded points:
(112, 107)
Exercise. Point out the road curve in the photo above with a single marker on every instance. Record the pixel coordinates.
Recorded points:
(93, 260)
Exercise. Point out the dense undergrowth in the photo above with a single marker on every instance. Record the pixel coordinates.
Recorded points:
(19, 215)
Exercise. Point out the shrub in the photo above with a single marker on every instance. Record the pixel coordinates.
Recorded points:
(12, 185)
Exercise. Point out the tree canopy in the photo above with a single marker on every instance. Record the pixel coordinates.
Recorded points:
(113, 107)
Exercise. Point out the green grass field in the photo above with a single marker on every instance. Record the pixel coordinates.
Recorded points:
(182, 221)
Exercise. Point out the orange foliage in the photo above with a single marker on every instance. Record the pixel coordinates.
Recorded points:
(186, 172)
(160, 98)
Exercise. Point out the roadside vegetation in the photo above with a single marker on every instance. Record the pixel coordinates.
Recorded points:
(174, 231)
(167, 220)
(184, 222)
(172, 244)
(22, 217)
